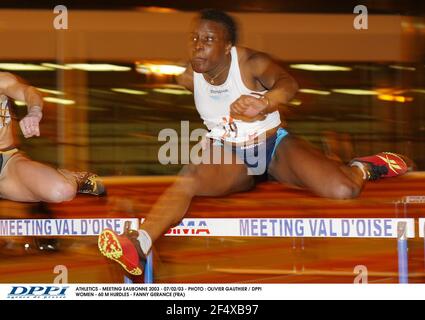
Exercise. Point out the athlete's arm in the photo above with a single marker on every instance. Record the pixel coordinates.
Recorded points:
(15, 88)
(186, 78)
(281, 86)
(270, 76)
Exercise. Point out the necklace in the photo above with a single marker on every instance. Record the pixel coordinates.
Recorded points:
(212, 79)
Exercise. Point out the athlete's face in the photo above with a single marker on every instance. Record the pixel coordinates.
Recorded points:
(209, 45)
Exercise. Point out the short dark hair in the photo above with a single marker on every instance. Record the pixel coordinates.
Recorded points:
(224, 19)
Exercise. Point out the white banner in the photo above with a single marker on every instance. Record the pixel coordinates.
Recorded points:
(62, 227)
(421, 227)
(302, 227)
(232, 227)
(221, 292)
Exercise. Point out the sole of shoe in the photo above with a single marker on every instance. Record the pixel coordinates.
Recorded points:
(110, 247)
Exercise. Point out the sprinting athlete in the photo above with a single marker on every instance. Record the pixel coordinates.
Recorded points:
(237, 93)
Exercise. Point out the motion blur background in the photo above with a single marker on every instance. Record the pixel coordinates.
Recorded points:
(108, 94)
(109, 85)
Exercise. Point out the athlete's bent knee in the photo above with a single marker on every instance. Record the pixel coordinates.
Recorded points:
(344, 191)
(60, 192)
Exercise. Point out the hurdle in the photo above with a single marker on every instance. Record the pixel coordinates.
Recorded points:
(400, 229)
(403, 267)
(404, 203)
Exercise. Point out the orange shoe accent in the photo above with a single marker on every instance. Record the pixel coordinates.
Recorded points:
(120, 249)
(384, 165)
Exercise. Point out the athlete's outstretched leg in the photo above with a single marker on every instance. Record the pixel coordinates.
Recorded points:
(194, 180)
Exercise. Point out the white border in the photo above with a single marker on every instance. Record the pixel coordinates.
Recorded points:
(222, 292)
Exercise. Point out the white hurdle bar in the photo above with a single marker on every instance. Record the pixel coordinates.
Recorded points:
(405, 202)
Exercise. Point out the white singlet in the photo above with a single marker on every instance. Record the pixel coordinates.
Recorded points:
(213, 104)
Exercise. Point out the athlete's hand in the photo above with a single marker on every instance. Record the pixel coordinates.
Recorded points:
(248, 108)
(30, 125)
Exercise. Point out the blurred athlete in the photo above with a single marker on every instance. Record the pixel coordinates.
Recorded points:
(22, 179)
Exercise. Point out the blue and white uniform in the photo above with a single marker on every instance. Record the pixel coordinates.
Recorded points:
(213, 104)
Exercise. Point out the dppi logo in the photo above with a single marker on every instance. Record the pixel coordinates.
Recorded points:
(44, 292)
(191, 227)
